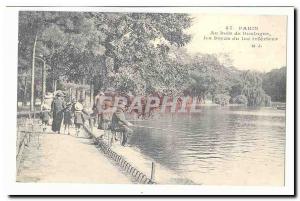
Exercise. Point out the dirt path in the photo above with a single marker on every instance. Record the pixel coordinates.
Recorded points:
(65, 158)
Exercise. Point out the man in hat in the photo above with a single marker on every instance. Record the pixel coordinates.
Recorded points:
(120, 124)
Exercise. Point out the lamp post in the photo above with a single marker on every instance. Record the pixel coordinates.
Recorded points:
(32, 76)
(43, 77)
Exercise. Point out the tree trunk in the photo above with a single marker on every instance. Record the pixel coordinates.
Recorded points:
(70, 94)
(43, 82)
(32, 75)
(25, 92)
(54, 85)
(91, 93)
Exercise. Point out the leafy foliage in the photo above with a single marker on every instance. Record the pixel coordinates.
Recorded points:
(141, 53)
(240, 99)
(274, 84)
(75, 44)
(221, 99)
(209, 76)
(252, 89)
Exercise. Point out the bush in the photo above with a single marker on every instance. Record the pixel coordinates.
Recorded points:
(221, 99)
(240, 99)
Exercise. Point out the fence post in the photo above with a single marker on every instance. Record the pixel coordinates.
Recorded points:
(152, 171)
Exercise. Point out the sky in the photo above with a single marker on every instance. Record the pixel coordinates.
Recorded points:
(269, 55)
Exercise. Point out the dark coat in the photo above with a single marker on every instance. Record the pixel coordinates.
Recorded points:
(118, 119)
(45, 116)
(68, 115)
(79, 118)
(57, 107)
(98, 104)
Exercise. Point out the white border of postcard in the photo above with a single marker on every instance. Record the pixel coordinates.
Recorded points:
(10, 49)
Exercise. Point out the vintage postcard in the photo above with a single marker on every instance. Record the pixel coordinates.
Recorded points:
(164, 97)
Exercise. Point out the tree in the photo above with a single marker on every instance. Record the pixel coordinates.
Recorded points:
(97, 47)
(209, 77)
(32, 26)
(132, 37)
(274, 84)
(60, 37)
(139, 43)
(142, 53)
(252, 89)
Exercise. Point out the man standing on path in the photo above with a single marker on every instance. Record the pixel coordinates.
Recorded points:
(99, 108)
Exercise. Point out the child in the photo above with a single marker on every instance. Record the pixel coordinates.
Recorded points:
(45, 116)
(68, 117)
(78, 115)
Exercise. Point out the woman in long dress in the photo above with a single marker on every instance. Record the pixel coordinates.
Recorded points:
(57, 106)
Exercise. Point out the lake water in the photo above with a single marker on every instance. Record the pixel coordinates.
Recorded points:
(231, 145)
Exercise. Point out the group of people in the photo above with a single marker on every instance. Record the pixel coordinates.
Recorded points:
(63, 111)
(73, 112)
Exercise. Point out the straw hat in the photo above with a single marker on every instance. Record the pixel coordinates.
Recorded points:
(45, 107)
(48, 95)
(100, 92)
(78, 106)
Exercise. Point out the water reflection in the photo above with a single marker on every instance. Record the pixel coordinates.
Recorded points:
(215, 141)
